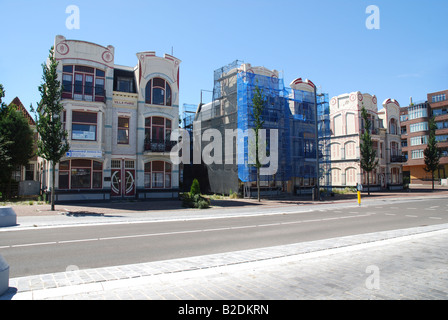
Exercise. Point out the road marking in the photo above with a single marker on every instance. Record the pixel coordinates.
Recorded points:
(184, 232)
(390, 214)
(411, 216)
(435, 218)
(411, 208)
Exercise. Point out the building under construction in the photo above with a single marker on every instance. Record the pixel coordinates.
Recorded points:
(298, 113)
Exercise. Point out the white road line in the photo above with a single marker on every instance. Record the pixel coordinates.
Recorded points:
(390, 214)
(411, 216)
(184, 232)
(436, 218)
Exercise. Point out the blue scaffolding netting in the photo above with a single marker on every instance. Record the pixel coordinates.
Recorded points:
(292, 113)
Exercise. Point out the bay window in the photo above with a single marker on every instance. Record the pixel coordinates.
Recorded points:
(83, 83)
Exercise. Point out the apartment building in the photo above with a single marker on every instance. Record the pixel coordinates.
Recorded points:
(119, 120)
(415, 133)
(438, 103)
(347, 125)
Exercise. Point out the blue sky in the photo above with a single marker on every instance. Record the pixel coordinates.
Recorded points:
(325, 41)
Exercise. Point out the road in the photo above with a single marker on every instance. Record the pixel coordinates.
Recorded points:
(40, 251)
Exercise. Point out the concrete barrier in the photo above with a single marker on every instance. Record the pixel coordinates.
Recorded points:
(8, 217)
(4, 276)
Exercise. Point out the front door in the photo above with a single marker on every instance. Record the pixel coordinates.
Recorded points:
(123, 179)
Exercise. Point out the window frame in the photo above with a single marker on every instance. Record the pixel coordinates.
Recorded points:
(164, 176)
(67, 168)
(91, 124)
(166, 90)
(123, 129)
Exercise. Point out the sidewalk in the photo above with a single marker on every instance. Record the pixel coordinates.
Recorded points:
(400, 264)
(33, 216)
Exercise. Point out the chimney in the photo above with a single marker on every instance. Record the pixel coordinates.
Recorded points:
(410, 101)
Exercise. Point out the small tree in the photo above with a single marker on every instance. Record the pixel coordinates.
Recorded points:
(368, 154)
(432, 153)
(52, 145)
(16, 141)
(258, 105)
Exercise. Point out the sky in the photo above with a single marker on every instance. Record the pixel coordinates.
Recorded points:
(326, 41)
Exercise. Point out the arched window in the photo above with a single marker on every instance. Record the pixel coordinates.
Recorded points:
(158, 175)
(158, 92)
(393, 126)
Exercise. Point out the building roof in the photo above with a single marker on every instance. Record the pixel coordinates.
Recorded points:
(19, 107)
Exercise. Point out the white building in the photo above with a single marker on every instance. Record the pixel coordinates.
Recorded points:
(119, 120)
(347, 126)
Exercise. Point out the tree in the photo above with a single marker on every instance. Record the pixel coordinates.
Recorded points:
(16, 141)
(258, 105)
(368, 154)
(432, 153)
(52, 144)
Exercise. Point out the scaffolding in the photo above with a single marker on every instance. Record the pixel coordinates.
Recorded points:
(303, 145)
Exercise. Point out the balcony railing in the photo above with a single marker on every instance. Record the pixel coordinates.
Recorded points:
(84, 93)
(155, 145)
(398, 159)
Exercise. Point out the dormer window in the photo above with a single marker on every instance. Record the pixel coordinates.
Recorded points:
(158, 92)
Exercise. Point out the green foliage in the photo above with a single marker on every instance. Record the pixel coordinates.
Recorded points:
(194, 199)
(258, 105)
(16, 139)
(52, 145)
(368, 154)
(195, 188)
(432, 152)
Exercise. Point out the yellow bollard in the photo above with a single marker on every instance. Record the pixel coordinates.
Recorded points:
(359, 198)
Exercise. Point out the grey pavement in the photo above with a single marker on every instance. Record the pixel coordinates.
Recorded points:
(400, 264)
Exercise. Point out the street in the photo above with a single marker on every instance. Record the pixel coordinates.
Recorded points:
(49, 250)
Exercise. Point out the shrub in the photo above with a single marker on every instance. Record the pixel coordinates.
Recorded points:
(195, 188)
(193, 199)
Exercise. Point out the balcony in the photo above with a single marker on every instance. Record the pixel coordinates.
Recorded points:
(155, 145)
(398, 159)
(84, 93)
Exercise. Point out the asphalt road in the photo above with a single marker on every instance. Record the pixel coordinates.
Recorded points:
(40, 251)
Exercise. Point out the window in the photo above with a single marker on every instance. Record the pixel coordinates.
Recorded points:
(442, 138)
(439, 112)
(404, 118)
(80, 174)
(439, 97)
(422, 126)
(123, 130)
(158, 175)
(442, 125)
(29, 172)
(393, 126)
(158, 128)
(83, 83)
(158, 92)
(418, 111)
(125, 84)
(84, 126)
(417, 154)
(416, 141)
